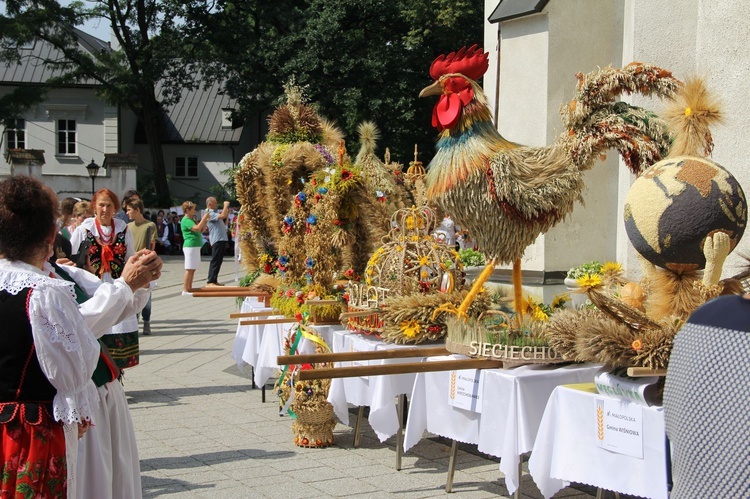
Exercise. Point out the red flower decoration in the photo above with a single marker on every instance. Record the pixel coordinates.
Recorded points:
(305, 367)
(346, 174)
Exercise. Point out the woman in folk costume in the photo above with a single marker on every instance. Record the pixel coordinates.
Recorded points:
(110, 244)
(47, 352)
(108, 465)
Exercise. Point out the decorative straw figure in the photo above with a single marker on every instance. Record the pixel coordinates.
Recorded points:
(505, 194)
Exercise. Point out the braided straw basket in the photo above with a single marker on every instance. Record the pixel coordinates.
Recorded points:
(314, 425)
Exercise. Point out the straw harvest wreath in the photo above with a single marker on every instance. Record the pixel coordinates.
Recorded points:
(308, 212)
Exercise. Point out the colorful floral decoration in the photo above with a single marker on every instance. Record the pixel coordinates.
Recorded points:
(265, 262)
(311, 220)
(282, 263)
(288, 223)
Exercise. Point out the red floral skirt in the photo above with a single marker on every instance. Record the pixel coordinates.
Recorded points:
(33, 459)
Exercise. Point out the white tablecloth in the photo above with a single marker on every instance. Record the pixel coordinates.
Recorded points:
(271, 346)
(247, 339)
(259, 345)
(377, 392)
(513, 402)
(566, 451)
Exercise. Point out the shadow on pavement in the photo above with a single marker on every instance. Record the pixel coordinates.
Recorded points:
(165, 351)
(158, 487)
(169, 395)
(200, 460)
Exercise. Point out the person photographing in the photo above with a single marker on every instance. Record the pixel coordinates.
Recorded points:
(217, 237)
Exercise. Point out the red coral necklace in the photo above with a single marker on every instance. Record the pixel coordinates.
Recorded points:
(105, 240)
(107, 255)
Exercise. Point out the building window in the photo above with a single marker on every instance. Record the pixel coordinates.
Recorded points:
(226, 119)
(186, 166)
(15, 134)
(66, 137)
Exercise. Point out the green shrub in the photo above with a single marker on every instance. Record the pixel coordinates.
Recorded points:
(590, 268)
(471, 258)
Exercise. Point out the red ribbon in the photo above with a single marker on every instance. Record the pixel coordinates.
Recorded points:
(107, 254)
(107, 257)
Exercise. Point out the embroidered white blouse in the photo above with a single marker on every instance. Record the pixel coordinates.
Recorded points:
(65, 346)
(109, 303)
(128, 323)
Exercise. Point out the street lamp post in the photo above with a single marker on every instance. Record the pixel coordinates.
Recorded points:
(93, 169)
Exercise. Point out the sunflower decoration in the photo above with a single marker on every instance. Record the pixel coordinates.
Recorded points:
(589, 281)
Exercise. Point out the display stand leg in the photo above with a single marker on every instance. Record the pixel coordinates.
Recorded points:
(358, 425)
(263, 394)
(252, 378)
(517, 493)
(451, 467)
(400, 433)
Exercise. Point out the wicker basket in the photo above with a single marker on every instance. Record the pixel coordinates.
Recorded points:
(314, 425)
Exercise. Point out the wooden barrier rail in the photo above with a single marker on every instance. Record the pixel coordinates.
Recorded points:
(408, 367)
(218, 289)
(636, 372)
(243, 315)
(230, 292)
(321, 302)
(401, 353)
(281, 320)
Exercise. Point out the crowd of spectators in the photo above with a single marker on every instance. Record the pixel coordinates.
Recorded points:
(169, 239)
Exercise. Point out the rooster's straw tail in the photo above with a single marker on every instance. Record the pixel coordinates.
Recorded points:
(690, 116)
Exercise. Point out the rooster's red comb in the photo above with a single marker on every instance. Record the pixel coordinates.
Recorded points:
(471, 62)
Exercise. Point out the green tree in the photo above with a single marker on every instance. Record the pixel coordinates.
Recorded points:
(358, 59)
(148, 44)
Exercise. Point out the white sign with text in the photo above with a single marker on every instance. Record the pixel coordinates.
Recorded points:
(619, 427)
(465, 389)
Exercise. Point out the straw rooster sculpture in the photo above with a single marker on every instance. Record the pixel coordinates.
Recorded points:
(506, 194)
